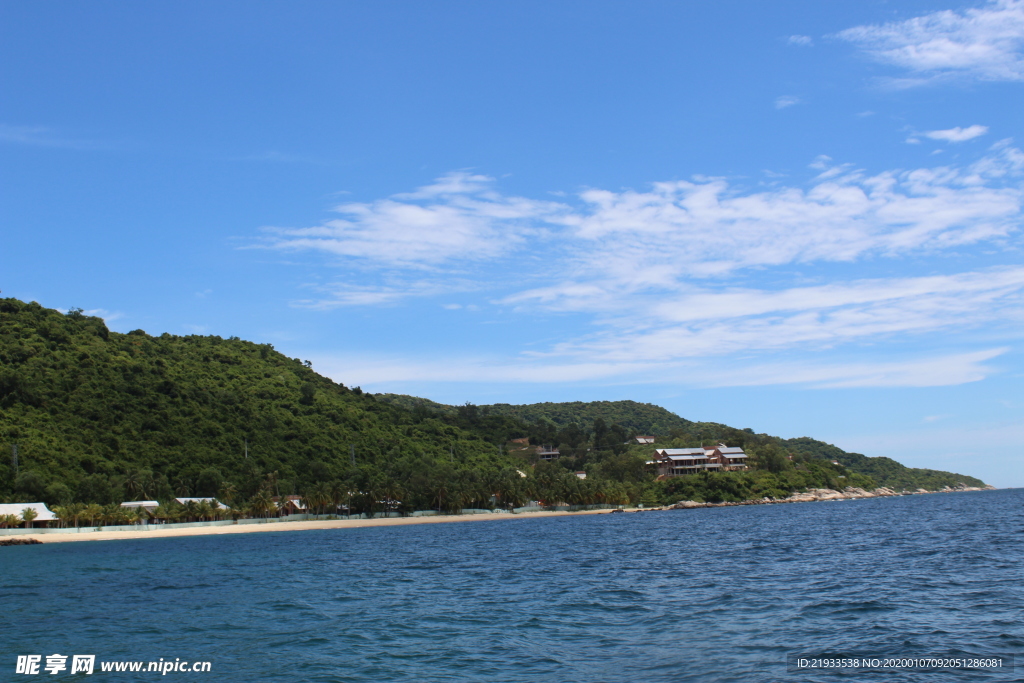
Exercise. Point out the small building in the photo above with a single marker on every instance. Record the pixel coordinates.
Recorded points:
(149, 506)
(547, 452)
(581, 475)
(43, 514)
(643, 439)
(290, 505)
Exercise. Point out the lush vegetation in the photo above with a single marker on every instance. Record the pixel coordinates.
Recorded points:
(100, 417)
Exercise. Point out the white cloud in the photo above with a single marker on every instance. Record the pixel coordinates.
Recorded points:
(42, 136)
(658, 272)
(957, 134)
(802, 41)
(924, 372)
(676, 231)
(708, 323)
(378, 372)
(783, 101)
(457, 219)
(983, 43)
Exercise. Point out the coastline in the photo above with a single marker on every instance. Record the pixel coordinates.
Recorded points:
(305, 525)
(157, 531)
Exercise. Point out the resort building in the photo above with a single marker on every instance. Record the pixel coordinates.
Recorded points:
(148, 505)
(675, 462)
(43, 514)
(643, 439)
(290, 505)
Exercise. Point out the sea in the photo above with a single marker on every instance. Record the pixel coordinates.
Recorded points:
(912, 588)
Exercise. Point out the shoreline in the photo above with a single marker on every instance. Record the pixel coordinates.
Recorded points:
(304, 525)
(155, 531)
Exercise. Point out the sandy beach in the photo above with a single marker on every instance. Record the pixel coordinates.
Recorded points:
(157, 532)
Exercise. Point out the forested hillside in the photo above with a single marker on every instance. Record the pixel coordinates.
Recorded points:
(638, 418)
(99, 416)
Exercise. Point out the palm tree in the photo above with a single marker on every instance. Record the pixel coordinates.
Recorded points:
(203, 510)
(392, 493)
(227, 493)
(261, 504)
(182, 486)
(92, 512)
(75, 510)
(133, 484)
(10, 521)
(28, 514)
(336, 491)
(133, 515)
(61, 513)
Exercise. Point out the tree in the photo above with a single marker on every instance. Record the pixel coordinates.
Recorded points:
(28, 514)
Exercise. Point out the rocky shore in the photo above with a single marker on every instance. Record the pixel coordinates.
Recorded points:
(814, 495)
(18, 541)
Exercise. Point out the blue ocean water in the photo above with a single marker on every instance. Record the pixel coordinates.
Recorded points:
(723, 594)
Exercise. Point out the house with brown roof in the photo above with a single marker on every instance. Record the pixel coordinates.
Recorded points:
(676, 462)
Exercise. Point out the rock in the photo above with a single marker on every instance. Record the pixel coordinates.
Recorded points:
(19, 541)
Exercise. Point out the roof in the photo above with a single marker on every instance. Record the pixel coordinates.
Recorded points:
(730, 449)
(680, 451)
(200, 500)
(43, 513)
(697, 456)
(141, 504)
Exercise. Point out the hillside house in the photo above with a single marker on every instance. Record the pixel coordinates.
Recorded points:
(643, 439)
(547, 452)
(675, 462)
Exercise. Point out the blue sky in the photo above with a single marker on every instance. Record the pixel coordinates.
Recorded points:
(799, 217)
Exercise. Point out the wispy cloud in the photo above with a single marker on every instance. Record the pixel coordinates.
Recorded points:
(658, 271)
(802, 41)
(378, 372)
(42, 136)
(957, 134)
(982, 43)
(784, 101)
(459, 218)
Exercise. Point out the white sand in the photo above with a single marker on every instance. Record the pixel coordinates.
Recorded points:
(157, 532)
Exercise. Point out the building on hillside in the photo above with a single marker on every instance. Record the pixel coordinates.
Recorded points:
(547, 452)
(732, 458)
(43, 514)
(643, 439)
(675, 462)
(581, 475)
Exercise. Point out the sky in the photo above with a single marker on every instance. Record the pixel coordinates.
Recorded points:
(800, 217)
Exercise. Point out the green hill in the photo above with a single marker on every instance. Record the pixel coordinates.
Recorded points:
(99, 416)
(639, 418)
(546, 422)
